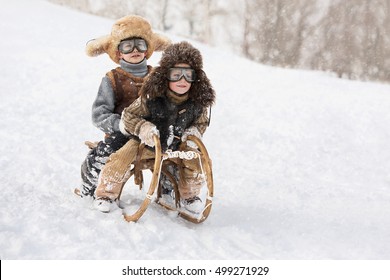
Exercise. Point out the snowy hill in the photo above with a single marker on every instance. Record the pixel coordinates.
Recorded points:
(301, 159)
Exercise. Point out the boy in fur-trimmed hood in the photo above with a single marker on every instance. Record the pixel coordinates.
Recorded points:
(173, 104)
(130, 43)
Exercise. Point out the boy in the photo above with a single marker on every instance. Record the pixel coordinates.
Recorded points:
(130, 44)
(173, 104)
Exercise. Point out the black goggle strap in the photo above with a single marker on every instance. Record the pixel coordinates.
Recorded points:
(183, 72)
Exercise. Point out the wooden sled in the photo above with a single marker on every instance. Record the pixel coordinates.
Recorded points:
(158, 167)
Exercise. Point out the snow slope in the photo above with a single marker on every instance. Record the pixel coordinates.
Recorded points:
(301, 160)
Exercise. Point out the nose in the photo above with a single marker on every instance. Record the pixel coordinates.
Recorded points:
(183, 80)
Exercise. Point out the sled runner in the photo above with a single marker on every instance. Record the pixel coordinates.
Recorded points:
(159, 167)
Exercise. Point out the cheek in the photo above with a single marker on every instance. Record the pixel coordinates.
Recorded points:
(143, 55)
(172, 86)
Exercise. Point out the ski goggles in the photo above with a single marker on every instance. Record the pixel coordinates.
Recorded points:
(128, 45)
(176, 73)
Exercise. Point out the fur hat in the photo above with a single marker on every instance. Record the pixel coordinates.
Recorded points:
(201, 90)
(127, 27)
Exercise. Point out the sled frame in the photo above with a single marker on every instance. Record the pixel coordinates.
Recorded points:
(156, 167)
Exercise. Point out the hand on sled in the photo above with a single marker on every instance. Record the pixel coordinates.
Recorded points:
(191, 131)
(146, 133)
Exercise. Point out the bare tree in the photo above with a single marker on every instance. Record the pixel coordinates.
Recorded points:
(82, 5)
(210, 9)
(350, 38)
(354, 41)
(246, 40)
(164, 16)
(275, 30)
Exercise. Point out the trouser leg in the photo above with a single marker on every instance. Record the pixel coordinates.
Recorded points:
(96, 159)
(193, 179)
(116, 172)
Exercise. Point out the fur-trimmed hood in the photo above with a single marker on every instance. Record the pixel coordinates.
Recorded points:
(127, 27)
(156, 84)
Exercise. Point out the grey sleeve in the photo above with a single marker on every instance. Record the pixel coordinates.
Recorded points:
(103, 116)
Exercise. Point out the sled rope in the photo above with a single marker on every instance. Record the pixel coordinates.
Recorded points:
(187, 155)
(180, 154)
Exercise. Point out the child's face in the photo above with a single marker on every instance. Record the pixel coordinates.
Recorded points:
(181, 86)
(134, 57)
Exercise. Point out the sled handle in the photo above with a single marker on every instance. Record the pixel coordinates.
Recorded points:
(153, 184)
(207, 168)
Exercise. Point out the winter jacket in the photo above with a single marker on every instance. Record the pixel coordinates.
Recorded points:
(171, 114)
(118, 89)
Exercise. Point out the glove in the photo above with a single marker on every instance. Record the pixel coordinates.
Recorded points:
(191, 131)
(146, 133)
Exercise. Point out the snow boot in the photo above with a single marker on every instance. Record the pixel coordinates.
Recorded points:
(104, 204)
(193, 204)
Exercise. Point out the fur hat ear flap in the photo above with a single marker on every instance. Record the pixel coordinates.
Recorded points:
(202, 91)
(98, 46)
(155, 84)
(160, 42)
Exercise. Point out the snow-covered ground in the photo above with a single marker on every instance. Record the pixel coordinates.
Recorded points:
(301, 160)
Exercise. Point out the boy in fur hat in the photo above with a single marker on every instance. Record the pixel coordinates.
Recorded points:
(173, 104)
(130, 44)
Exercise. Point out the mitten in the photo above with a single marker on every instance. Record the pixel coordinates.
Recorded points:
(146, 133)
(192, 130)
